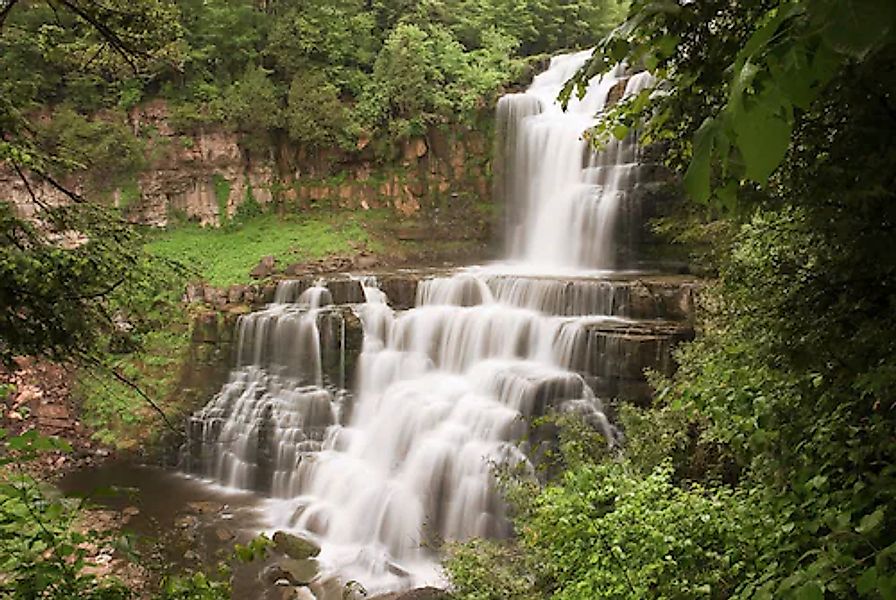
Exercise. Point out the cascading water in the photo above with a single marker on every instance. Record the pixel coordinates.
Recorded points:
(561, 198)
(445, 390)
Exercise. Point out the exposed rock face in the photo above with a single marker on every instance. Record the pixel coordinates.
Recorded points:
(439, 180)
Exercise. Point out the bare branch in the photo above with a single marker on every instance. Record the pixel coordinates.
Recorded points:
(136, 388)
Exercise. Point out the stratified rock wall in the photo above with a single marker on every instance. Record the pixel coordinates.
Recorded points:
(437, 185)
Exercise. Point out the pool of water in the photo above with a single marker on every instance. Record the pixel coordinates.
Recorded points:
(182, 522)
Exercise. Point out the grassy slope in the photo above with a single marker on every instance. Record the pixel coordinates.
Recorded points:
(226, 255)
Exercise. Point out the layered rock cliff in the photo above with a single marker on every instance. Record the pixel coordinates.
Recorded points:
(437, 185)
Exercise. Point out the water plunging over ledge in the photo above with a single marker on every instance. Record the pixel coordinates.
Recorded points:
(381, 456)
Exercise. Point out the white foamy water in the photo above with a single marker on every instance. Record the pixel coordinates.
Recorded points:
(382, 475)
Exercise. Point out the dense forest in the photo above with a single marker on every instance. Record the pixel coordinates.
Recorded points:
(763, 467)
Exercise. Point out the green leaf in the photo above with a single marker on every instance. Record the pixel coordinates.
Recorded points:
(871, 522)
(811, 590)
(620, 131)
(867, 582)
(763, 133)
(696, 179)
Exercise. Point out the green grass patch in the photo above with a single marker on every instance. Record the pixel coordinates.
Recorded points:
(226, 255)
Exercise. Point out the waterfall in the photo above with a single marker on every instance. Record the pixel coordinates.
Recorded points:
(562, 198)
(382, 472)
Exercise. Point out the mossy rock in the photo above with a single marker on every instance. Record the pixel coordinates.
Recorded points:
(294, 546)
(299, 571)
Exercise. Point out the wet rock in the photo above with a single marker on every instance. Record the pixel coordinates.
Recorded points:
(327, 587)
(616, 92)
(346, 291)
(222, 534)
(365, 261)
(205, 507)
(238, 294)
(341, 340)
(299, 571)
(294, 546)
(267, 293)
(400, 289)
(264, 268)
(616, 355)
(272, 574)
(186, 522)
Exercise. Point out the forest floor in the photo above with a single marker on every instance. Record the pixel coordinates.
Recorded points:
(36, 395)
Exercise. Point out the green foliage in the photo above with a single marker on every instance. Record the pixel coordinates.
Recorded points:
(116, 409)
(42, 555)
(105, 152)
(194, 586)
(225, 256)
(795, 375)
(249, 208)
(337, 38)
(59, 289)
(325, 73)
(316, 117)
(746, 77)
(765, 470)
(607, 529)
(130, 194)
(252, 106)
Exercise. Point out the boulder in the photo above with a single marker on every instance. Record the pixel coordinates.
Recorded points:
(294, 546)
(264, 268)
(237, 294)
(299, 571)
(365, 261)
(424, 593)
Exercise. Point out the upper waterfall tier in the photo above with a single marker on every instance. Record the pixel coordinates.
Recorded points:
(562, 199)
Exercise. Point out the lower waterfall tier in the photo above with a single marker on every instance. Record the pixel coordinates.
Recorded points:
(376, 431)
